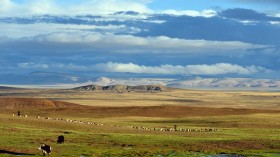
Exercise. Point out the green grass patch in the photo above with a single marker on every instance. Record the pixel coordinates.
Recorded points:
(23, 135)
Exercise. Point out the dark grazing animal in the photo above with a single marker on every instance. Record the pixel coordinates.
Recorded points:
(46, 149)
(60, 139)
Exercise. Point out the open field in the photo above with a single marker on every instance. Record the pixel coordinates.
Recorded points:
(175, 97)
(140, 124)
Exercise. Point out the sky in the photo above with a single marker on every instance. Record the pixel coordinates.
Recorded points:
(165, 38)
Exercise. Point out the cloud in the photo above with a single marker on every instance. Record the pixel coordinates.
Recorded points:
(247, 14)
(6, 5)
(42, 7)
(79, 42)
(51, 66)
(243, 25)
(160, 40)
(218, 28)
(192, 13)
(166, 69)
(33, 66)
(55, 7)
(14, 30)
(215, 69)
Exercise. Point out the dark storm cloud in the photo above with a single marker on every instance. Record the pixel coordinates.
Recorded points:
(247, 14)
(225, 27)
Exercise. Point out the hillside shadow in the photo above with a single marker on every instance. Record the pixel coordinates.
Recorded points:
(14, 153)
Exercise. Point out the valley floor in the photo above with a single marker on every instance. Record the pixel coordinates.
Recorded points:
(174, 123)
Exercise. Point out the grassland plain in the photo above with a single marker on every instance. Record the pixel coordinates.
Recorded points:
(248, 123)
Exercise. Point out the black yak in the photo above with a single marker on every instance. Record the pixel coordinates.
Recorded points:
(60, 139)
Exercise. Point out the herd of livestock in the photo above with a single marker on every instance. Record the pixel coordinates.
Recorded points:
(171, 129)
(46, 149)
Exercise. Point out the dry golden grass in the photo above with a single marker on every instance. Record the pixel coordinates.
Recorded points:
(197, 98)
(174, 103)
(176, 97)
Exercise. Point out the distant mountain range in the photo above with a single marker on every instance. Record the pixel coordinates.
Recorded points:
(225, 83)
(47, 78)
(194, 82)
(123, 88)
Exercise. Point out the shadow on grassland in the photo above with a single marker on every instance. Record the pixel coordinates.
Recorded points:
(14, 153)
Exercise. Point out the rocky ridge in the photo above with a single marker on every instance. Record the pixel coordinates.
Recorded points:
(123, 88)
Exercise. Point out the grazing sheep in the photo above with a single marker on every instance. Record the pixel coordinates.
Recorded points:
(172, 129)
(46, 149)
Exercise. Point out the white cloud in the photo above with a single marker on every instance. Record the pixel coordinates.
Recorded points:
(70, 66)
(193, 13)
(112, 6)
(42, 66)
(85, 7)
(6, 5)
(29, 30)
(274, 22)
(95, 42)
(247, 22)
(53, 7)
(43, 7)
(204, 69)
(214, 69)
(33, 66)
(276, 15)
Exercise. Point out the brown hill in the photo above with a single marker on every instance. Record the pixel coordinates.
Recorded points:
(16, 103)
(46, 107)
